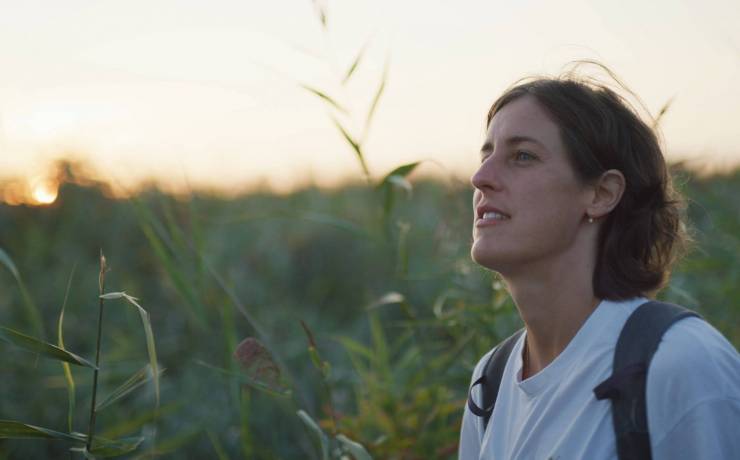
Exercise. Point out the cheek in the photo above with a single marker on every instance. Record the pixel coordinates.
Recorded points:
(555, 201)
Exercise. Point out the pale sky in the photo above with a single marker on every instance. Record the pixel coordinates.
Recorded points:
(209, 92)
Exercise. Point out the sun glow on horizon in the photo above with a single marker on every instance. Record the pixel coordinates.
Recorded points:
(40, 191)
(45, 192)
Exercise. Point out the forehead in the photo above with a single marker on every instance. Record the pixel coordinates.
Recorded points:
(524, 116)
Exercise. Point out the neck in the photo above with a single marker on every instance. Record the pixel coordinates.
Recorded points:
(554, 301)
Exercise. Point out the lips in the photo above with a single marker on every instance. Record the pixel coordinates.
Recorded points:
(489, 212)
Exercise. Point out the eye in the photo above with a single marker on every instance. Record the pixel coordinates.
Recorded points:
(523, 156)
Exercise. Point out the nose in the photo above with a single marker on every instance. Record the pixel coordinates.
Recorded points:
(487, 175)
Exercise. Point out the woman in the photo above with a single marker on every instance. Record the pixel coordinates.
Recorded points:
(574, 209)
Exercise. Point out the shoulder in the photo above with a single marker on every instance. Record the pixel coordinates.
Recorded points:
(693, 349)
(694, 366)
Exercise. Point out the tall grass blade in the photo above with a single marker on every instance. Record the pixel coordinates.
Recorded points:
(318, 432)
(105, 448)
(402, 259)
(356, 147)
(245, 432)
(354, 448)
(354, 64)
(9, 264)
(217, 446)
(10, 429)
(150, 345)
(159, 242)
(98, 341)
(246, 380)
(178, 236)
(258, 329)
(662, 112)
(43, 348)
(356, 347)
(124, 426)
(141, 377)
(68, 378)
(325, 97)
(166, 447)
(320, 7)
(376, 100)
(175, 275)
(380, 345)
(31, 310)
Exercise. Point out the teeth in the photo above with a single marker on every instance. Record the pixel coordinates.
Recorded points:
(495, 216)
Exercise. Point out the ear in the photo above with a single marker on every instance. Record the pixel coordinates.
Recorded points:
(608, 190)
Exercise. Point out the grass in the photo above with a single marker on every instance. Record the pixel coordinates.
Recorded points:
(374, 326)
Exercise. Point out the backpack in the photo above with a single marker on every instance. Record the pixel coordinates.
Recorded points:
(626, 387)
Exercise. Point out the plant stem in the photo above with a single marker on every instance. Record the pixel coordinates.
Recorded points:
(101, 284)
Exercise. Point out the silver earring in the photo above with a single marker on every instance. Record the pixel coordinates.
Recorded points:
(590, 220)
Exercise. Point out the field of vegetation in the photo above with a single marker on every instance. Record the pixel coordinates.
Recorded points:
(320, 324)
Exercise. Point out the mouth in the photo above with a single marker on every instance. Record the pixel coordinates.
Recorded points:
(494, 216)
(490, 215)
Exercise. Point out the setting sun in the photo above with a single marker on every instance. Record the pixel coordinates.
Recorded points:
(44, 192)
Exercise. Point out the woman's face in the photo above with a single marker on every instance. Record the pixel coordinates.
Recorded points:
(528, 204)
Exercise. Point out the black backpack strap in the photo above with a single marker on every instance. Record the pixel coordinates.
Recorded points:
(626, 387)
(490, 379)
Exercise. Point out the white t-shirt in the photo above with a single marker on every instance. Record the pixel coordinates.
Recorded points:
(693, 397)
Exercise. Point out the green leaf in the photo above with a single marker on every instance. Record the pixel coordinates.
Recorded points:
(46, 349)
(393, 180)
(321, 11)
(399, 173)
(135, 381)
(400, 182)
(10, 429)
(124, 426)
(355, 63)
(217, 446)
(387, 299)
(376, 100)
(31, 310)
(150, 346)
(356, 348)
(354, 448)
(380, 345)
(104, 448)
(355, 146)
(325, 97)
(662, 112)
(69, 379)
(9, 264)
(317, 431)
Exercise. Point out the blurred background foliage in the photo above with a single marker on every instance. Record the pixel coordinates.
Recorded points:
(396, 314)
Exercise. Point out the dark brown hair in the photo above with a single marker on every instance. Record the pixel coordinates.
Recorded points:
(642, 236)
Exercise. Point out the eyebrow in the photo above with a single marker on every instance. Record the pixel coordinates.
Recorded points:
(488, 146)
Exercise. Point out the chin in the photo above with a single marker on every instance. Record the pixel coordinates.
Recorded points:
(492, 260)
(483, 258)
